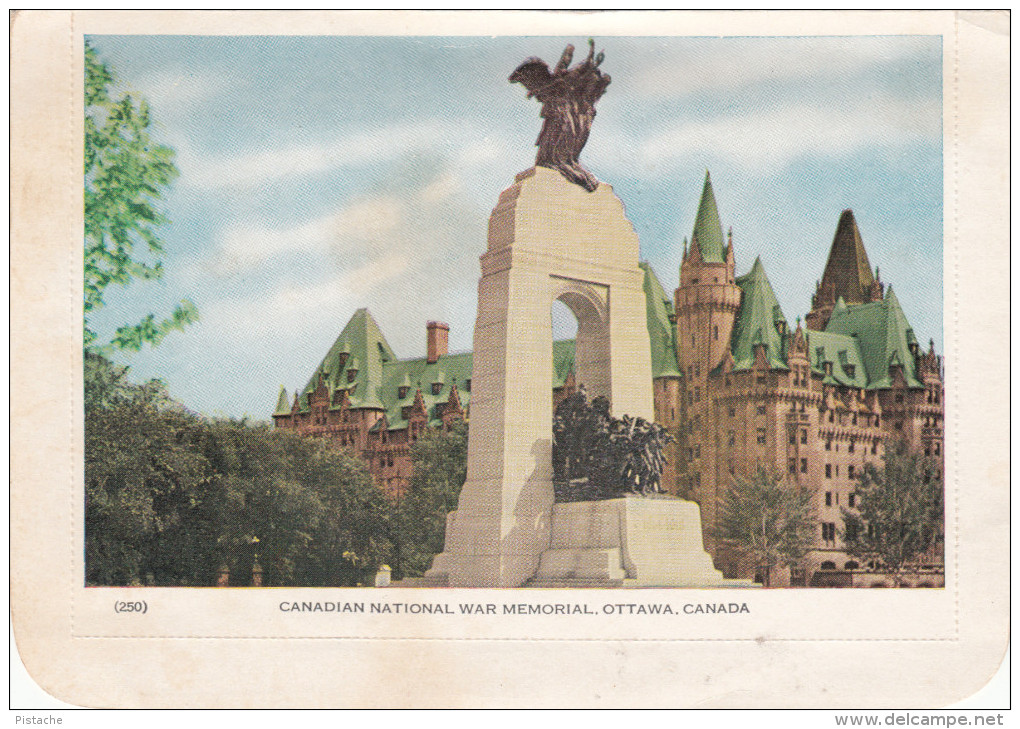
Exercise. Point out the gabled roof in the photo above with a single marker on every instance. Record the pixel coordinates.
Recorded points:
(883, 336)
(757, 321)
(708, 234)
(361, 346)
(847, 271)
(661, 331)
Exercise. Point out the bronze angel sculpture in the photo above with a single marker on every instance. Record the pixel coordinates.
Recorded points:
(568, 97)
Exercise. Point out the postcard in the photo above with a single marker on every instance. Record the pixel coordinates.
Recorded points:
(443, 350)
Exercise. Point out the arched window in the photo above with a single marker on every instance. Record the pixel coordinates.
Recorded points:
(851, 565)
(828, 565)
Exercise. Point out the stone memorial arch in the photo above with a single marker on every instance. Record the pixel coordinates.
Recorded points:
(549, 240)
(559, 234)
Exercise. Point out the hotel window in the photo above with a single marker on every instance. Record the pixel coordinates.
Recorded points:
(803, 437)
(832, 416)
(938, 448)
(732, 412)
(852, 500)
(697, 370)
(793, 465)
(793, 439)
(850, 447)
(855, 419)
(828, 445)
(851, 535)
(697, 394)
(850, 472)
(829, 533)
(761, 410)
(803, 465)
(828, 470)
(732, 438)
(837, 469)
(389, 461)
(761, 436)
(828, 498)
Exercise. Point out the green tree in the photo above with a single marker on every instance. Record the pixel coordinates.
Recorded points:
(126, 173)
(770, 522)
(150, 495)
(417, 525)
(899, 514)
(171, 497)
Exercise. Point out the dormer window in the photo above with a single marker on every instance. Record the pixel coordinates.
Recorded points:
(351, 374)
(437, 387)
(849, 369)
(402, 392)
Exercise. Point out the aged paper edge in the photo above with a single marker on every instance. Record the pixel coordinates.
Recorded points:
(45, 155)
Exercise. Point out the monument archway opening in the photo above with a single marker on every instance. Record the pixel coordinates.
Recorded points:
(589, 304)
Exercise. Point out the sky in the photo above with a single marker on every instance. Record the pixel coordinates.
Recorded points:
(324, 174)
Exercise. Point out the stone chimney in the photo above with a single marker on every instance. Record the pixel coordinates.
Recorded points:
(438, 340)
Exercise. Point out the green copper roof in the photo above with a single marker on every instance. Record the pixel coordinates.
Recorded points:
(282, 403)
(840, 349)
(661, 331)
(757, 321)
(708, 234)
(883, 336)
(563, 361)
(361, 346)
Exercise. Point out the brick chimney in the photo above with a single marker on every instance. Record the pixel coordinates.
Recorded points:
(438, 340)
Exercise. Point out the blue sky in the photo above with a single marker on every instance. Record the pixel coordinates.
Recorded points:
(323, 174)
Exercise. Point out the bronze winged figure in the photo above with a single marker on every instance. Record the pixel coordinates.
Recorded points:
(568, 97)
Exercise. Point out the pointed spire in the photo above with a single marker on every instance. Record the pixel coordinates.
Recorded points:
(282, 402)
(708, 235)
(848, 272)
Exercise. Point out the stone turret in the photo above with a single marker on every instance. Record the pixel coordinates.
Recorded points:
(708, 298)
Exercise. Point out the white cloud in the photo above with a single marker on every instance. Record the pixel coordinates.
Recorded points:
(176, 94)
(368, 253)
(720, 68)
(765, 142)
(257, 167)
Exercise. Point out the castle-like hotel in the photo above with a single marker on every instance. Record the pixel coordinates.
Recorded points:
(737, 386)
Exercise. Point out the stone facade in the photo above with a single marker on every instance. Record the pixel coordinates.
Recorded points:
(813, 403)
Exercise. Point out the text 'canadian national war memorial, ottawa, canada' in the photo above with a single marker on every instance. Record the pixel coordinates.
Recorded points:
(717, 365)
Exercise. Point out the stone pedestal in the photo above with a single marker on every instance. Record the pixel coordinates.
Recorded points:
(628, 542)
(548, 240)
